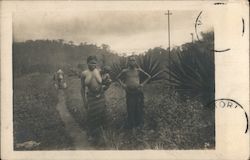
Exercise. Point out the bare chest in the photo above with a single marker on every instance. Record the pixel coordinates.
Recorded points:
(90, 77)
(132, 74)
(132, 77)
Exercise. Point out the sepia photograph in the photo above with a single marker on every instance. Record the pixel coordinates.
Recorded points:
(124, 80)
(113, 80)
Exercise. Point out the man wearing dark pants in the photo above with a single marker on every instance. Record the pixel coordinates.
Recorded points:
(135, 105)
(134, 94)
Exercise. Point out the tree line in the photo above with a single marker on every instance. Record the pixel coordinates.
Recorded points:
(188, 68)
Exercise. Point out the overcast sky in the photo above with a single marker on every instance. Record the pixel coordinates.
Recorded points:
(123, 31)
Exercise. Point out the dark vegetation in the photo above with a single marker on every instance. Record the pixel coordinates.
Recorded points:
(35, 116)
(46, 56)
(170, 123)
(192, 70)
(175, 98)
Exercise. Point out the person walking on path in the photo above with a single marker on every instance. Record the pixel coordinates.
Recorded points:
(59, 79)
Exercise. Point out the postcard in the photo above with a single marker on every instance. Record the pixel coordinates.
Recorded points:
(124, 80)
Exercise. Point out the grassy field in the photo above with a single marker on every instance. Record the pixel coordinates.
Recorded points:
(74, 102)
(173, 120)
(169, 122)
(35, 116)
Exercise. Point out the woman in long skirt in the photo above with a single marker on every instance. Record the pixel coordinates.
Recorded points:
(93, 98)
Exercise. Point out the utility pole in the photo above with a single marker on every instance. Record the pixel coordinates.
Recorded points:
(169, 58)
(192, 37)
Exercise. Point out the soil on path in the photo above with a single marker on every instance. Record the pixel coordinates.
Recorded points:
(78, 135)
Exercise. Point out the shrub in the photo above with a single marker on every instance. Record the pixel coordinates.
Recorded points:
(168, 123)
(192, 70)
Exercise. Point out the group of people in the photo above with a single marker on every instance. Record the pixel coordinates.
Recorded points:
(94, 82)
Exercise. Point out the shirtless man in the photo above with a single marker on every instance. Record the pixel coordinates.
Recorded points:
(134, 94)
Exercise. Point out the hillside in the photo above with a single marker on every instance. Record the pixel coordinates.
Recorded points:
(47, 56)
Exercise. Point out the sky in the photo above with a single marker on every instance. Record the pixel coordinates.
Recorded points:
(124, 31)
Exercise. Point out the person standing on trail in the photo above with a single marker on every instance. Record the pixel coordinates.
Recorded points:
(59, 80)
(93, 97)
(134, 94)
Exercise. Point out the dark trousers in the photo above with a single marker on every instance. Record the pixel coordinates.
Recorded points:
(135, 105)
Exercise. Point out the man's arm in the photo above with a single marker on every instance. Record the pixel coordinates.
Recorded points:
(83, 90)
(119, 80)
(149, 77)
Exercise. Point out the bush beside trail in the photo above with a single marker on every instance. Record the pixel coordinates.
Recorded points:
(74, 101)
(35, 115)
(170, 123)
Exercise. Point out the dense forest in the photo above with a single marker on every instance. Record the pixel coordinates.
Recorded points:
(46, 56)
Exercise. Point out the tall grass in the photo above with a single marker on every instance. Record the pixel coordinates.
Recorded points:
(74, 101)
(35, 116)
(168, 124)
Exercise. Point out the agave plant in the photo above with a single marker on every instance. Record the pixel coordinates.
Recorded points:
(148, 63)
(192, 71)
(116, 68)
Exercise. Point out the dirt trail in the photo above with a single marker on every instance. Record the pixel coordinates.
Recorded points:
(78, 136)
